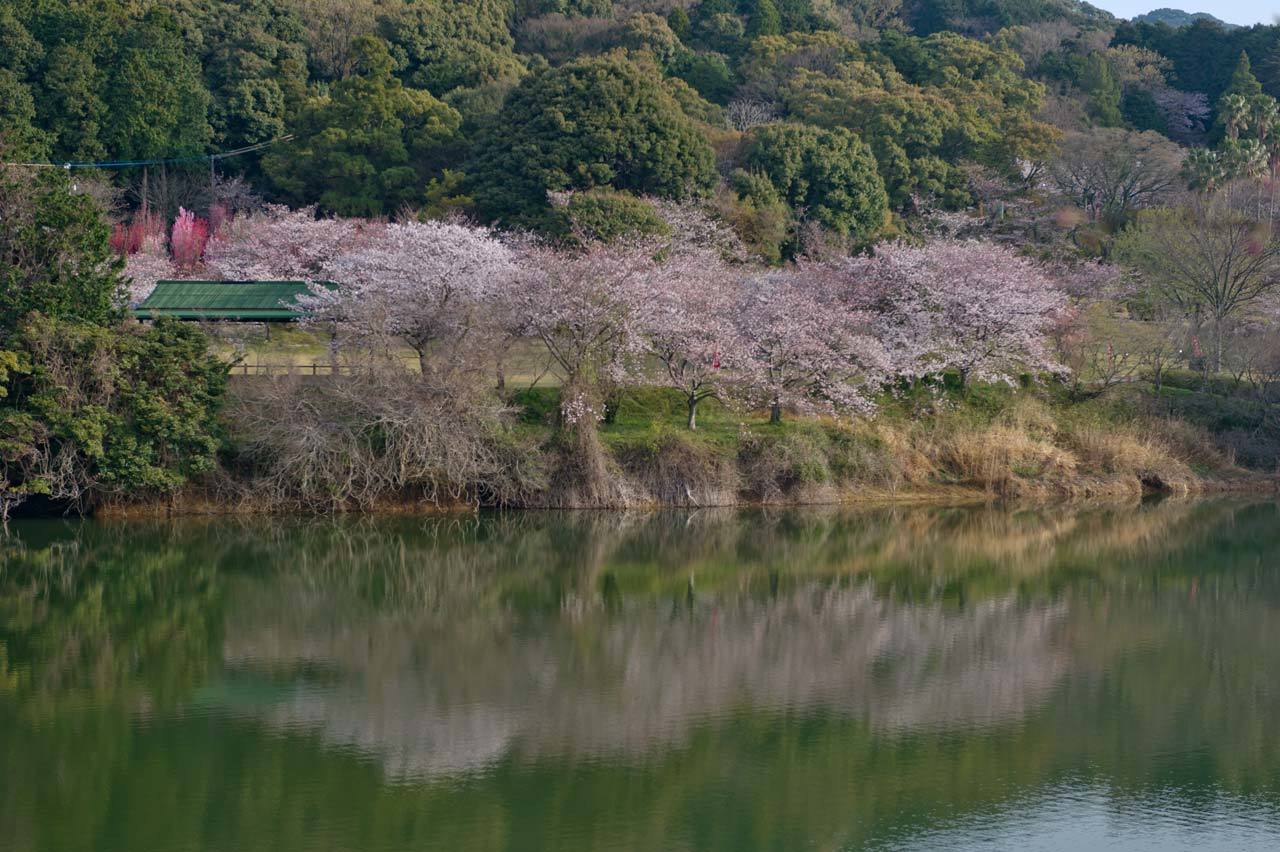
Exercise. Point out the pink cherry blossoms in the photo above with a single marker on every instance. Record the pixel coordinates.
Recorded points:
(584, 306)
(422, 283)
(147, 265)
(974, 308)
(824, 336)
(279, 244)
(807, 349)
(687, 324)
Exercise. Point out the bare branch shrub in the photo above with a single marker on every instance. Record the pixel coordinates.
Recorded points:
(377, 434)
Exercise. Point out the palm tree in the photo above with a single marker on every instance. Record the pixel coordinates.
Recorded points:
(1203, 169)
(1234, 113)
(1265, 120)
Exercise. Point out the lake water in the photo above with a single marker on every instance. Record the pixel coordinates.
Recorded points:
(910, 679)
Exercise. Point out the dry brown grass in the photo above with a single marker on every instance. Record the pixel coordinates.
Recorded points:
(994, 457)
(1033, 449)
(1108, 448)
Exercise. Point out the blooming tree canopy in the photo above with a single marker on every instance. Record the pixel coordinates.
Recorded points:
(149, 264)
(976, 308)
(420, 282)
(282, 244)
(688, 326)
(584, 307)
(807, 348)
(187, 239)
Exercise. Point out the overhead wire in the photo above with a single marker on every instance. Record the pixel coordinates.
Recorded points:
(166, 161)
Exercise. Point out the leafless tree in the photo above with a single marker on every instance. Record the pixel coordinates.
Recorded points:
(746, 113)
(1109, 173)
(1218, 256)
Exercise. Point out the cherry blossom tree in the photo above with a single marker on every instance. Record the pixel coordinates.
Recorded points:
(280, 244)
(149, 264)
(688, 327)
(808, 349)
(976, 308)
(425, 283)
(584, 306)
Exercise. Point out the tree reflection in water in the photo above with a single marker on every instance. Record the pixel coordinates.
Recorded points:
(807, 675)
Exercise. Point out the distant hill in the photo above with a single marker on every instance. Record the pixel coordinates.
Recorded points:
(981, 17)
(1177, 18)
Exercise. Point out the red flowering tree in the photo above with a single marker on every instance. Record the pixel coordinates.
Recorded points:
(187, 239)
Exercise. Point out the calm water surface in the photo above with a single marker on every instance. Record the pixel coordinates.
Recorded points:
(920, 679)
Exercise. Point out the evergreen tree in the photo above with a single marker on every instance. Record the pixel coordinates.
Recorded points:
(71, 104)
(442, 45)
(367, 148)
(55, 253)
(678, 20)
(1104, 91)
(1142, 112)
(19, 137)
(764, 20)
(600, 121)
(155, 103)
(797, 15)
(1269, 72)
(1242, 80)
(830, 173)
(253, 58)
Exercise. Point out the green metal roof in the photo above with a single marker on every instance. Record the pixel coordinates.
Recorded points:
(237, 301)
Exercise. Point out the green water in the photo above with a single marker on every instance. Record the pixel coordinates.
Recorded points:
(919, 679)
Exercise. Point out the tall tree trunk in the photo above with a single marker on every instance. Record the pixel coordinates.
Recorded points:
(1217, 345)
(693, 413)
(775, 413)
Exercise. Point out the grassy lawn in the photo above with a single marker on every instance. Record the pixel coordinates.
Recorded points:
(647, 415)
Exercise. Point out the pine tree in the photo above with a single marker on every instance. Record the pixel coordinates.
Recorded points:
(1269, 72)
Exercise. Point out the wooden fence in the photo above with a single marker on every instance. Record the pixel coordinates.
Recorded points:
(313, 369)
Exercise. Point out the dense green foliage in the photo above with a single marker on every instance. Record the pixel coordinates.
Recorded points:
(438, 104)
(985, 16)
(93, 411)
(1204, 55)
(89, 408)
(605, 215)
(829, 173)
(369, 146)
(444, 45)
(592, 122)
(54, 253)
(487, 106)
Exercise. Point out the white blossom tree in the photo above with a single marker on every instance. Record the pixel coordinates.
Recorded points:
(149, 264)
(283, 244)
(688, 325)
(808, 349)
(584, 306)
(976, 308)
(424, 283)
